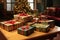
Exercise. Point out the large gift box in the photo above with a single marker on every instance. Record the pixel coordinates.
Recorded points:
(23, 17)
(10, 25)
(25, 30)
(41, 27)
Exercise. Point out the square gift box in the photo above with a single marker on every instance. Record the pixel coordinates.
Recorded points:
(25, 30)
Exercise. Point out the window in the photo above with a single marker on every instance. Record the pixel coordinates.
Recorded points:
(10, 4)
(8, 7)
(31, 3)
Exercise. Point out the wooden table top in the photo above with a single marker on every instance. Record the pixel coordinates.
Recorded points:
(15, 36)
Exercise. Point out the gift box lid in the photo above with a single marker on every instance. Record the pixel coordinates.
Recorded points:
(24, 28)
(50, 20)
(17, 22)
(8, 24)
(46, 21)
(2, 22)
(39, 25)
(24, 16)
(16, 16)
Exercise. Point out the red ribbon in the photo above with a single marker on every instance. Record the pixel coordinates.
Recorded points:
(23, 14)
(25, 27)
(10, 22)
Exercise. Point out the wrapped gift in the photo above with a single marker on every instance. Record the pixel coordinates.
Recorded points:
(50, 22)
(25, 30)
(41, 27)
(23, 17)
(10, 25)
(2, 25)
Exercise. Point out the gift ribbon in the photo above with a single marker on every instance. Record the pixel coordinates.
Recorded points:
(23, 14)
(25, 27)
(10, 22)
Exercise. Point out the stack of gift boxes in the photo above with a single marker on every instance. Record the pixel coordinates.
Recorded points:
(26, 24)
(19, 20)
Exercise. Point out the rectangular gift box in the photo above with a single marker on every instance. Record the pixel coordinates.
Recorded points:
(24, 18)
(41, 27)
(10, 25)
(24, 30)
(50, 22)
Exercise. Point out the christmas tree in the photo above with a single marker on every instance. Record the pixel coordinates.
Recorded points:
(21, 6)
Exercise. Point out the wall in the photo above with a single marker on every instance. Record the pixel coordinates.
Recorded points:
(56, 3)
(49, 3)
(39, 5)
(52, 3)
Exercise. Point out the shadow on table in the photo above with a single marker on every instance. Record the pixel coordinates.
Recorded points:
(2, 37)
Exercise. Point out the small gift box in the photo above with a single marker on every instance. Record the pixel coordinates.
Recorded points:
(41, 27)
(25, 30)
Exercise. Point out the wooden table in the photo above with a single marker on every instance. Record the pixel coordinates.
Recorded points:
(34, 36)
